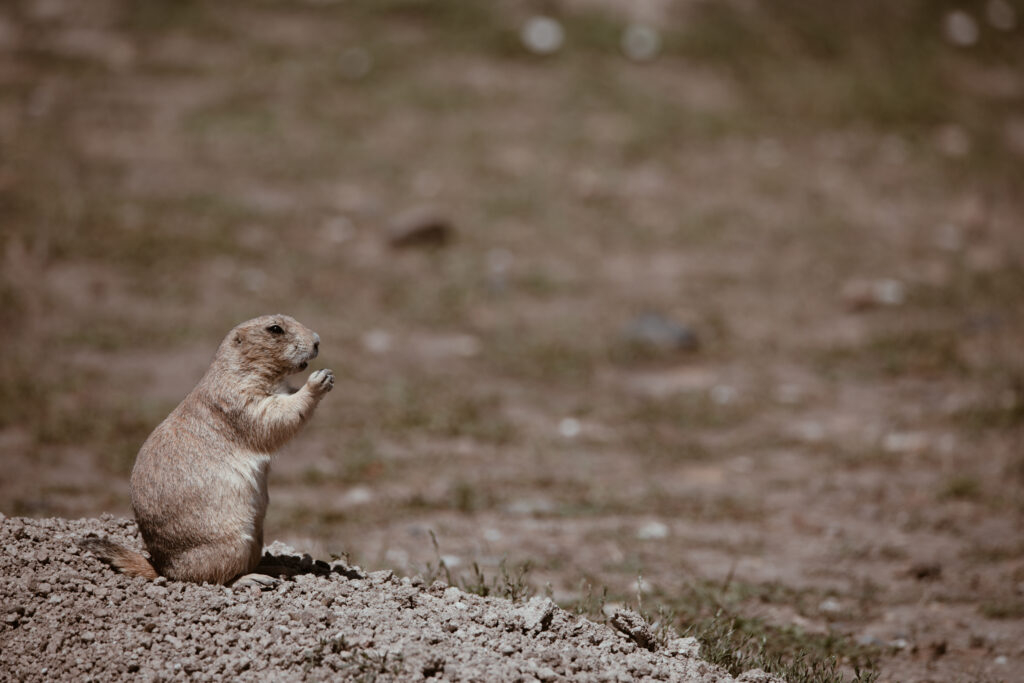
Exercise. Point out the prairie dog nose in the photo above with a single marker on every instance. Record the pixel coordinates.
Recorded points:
(316, 344)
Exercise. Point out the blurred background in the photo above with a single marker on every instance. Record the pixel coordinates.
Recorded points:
(711, 307)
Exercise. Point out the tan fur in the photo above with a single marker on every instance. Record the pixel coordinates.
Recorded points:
(199, 485)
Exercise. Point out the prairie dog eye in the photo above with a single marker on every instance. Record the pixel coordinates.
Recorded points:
(275, 329)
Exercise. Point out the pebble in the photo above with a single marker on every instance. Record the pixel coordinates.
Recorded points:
(861, 295)
(536, 613)
(830, 607)
(355, 63)
(684, 647)
(868, 640)
(961, 28)
(1001, 15)
(652, 531)
(377, 341)
(723, 394)
(419, 227)
(905, 442)
(640, 42)
(657, 332)
(569, 428)
(925, 570)
(634, 626)
(542, 35)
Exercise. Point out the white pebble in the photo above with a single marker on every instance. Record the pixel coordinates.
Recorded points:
(890, 292)
(377, 341)
(542, 35)
(961, 28)
(652, 531)
(570, 428)
(640, 43)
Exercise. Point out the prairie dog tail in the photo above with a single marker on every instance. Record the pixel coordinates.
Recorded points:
(126, 561)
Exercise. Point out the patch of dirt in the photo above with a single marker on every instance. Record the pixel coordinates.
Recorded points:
(828, 197)
(66, 615)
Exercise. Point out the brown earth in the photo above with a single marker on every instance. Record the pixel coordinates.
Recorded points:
(831, 205)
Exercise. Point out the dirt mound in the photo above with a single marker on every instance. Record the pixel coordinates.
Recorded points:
(66, 615)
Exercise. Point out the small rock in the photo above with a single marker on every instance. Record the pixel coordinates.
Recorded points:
(860, 295)
(925, 570)
(652, 531)
(723, 394)
(377, 341)
(953, 141)
(382, 576)
(433, 666)
(640, 43)
(949, 237)
(758, 676)
(569, 428)
(449, 346)
(419, 227)
(655, 332)
(546, 673)
(905, 442)
(809, 431)
(634, 626)
(1001, 15)
(355, 63)
(536, 614)
(961, 28)
(868, 640)
(542, 35)
(684, 647)
(830, 607)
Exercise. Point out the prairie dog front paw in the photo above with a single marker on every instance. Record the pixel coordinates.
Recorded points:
(321, 381)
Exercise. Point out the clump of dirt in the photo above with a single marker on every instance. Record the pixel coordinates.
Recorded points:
(67, 615)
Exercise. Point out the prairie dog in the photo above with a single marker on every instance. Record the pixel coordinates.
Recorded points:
(199, 484)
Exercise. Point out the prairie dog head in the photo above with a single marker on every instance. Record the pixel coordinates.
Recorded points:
(272, 346)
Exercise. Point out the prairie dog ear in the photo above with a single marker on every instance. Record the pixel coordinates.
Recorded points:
(238, 337)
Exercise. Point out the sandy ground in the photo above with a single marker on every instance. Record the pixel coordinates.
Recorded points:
(828, 203)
